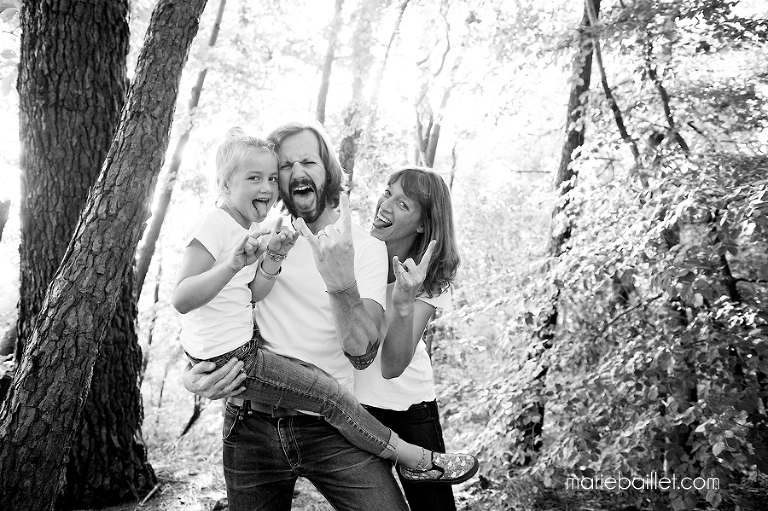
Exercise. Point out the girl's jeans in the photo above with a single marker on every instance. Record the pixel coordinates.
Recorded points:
(279, 381)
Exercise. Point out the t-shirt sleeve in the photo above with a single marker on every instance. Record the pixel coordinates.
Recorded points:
(371, 270)
(211, 232)
(441, 301)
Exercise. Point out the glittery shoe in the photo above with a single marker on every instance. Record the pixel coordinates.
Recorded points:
(446, 469)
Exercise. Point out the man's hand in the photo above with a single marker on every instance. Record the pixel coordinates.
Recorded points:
(333, 250)
(227, 381)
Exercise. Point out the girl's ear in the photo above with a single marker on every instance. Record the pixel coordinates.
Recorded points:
(420, 229)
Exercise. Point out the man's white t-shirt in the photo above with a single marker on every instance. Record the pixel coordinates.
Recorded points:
(415, 385)
(226, 322)
(295, 318)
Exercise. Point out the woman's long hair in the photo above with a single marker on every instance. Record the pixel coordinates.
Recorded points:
(429, 189)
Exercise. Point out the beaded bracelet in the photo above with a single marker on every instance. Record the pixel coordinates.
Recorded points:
(276, 256)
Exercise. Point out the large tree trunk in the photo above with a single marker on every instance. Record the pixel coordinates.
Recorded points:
(561, 226)
(149, 242)
(40, 414)
(71, 89)
(66, 134)
(330, 55)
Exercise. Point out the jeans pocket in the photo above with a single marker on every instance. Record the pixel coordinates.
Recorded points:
(231, 414)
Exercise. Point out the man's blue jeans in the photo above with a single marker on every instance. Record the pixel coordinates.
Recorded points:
(264, 456)
(420, 425)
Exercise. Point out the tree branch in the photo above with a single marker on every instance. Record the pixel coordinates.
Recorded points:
(590, 9)
(651, 69)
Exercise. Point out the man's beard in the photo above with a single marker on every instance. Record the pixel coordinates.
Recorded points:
(309, 216)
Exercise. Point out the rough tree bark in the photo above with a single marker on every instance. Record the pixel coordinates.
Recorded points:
(152, 234)
(39, 416)
(330, 55)
(70, 107)
(561, 226)
(71, 89)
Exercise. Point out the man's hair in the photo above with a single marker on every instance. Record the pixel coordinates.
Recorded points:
(429, 189)
(233, 151)
(334, 178)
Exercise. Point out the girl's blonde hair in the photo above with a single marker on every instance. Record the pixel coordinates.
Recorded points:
(232, 153)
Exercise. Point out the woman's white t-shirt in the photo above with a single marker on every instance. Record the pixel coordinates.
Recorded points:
(415, 385)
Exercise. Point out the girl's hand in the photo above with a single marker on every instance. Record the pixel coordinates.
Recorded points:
(409, 277)
(282, 239)
(248, 250)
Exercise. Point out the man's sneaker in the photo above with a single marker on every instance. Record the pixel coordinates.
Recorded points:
(445, 469)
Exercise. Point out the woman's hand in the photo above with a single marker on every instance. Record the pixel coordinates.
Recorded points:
(409, 277)
(227, 381)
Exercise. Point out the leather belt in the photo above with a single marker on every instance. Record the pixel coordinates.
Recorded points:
(272, 411)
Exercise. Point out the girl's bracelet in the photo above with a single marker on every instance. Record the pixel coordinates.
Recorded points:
(268, 276)
(276, 256)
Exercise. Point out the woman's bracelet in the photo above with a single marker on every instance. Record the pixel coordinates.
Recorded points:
(337, 291)
(276, 256)
(268, 276)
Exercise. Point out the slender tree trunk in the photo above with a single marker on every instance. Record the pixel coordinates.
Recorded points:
(330, 55)
(147, 247)
(574, 129)
(374, 101)
(5, 207)
(654, 77)
(108, 459)
(362, 41)
(40, 414)
(532, 424)
(153, 317)
(617, 115)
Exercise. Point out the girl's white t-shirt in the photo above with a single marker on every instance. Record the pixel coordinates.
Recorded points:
(226, 322)
(415, 385)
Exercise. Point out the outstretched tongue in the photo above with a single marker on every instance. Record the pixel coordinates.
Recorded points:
(304, 197)
(261, 207)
